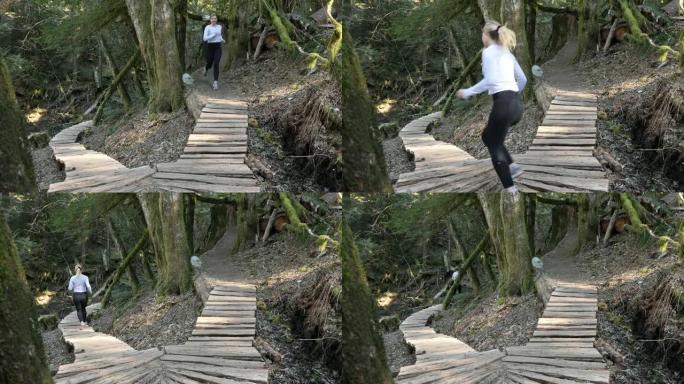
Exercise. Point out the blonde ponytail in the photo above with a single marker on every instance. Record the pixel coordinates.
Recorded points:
(501, 34)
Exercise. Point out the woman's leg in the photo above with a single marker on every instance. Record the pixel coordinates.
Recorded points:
(494, 137)
(217, 61)
(210, 56)
(78, 303)
(85, 304)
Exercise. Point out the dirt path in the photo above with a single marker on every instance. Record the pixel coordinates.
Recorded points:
(560, 264)
(218, 265)
(560, 73)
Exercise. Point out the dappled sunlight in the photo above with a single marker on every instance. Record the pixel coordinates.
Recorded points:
(386, 299)
(36, 115)
(386, 106)
(631, 84)
(44, 298)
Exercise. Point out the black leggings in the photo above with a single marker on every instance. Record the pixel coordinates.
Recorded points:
(506, 112)
(214, 52)
(81, 302)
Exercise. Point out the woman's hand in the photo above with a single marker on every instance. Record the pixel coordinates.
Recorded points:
(461, 94)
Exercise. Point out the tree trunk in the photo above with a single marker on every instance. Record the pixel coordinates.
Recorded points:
(21, 346)
(362, 154)
(560, 217)
(587, 218)
(181, 12)
(531, 215)
(165, 218)
(190, 220)
(218, 224)
(121, 249)
(531, 20)
(587, 27)
(363, 352)
(155, 26)
(16, 172)
(114, 68)
(515, 18)
(237, 24)
(505, 216)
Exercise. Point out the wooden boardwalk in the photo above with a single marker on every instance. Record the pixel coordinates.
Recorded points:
(213, 159)
(219, 351)
(560, 158)
(561, 349)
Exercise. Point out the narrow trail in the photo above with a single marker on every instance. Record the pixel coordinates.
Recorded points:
(219, 351)
(213, 158)
(561, 349)
(560, 158)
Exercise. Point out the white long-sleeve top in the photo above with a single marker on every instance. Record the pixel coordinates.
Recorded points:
(501, 72)
(80, 284)
(212, 33)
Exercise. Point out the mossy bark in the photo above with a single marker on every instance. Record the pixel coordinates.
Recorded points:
(560, 216)
(21, 346)
(165, 218)
(121, 249)
(505, 216)
(114, 68)
(16, 172)
(363, 352)
(466, 266)
(125, 265)
(218, 224)
(362, 154)
(514, 16)
(587, 219)
(155, 26)
(587, 27)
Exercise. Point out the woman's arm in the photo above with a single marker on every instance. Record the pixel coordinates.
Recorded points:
(520, 77)
(207, 33)
(87, 281)
(71, 284)
(484, 84)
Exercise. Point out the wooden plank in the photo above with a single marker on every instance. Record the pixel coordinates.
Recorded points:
(574, 103)
(238, 353)
(205, 149)
(221, 169)
(566, 321)
(562, 333)
(563, 142)
(558, 293)
(241, 374)
(562, 353)
(599, 185)
(592, 376)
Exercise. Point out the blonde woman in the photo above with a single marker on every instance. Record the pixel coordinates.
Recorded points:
(80, 286)
(213, 37)
(504, 79)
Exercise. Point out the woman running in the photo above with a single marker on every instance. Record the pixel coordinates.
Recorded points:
(213, 36)
(504, 79)
(80, 286)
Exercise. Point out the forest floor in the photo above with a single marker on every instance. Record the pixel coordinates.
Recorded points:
(296, 309)
(634, 305)
(624, 96)
(284, 136)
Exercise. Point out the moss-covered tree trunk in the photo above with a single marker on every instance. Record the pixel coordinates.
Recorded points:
(587, 26)
(16, 167)
(514, 16)
(165, 218)
(362, 154)
(22, 357)
(218, 224)
(181, 13)
(363, 351)
(587, 218)
(505, 214)
(155, 26)
(238, 14)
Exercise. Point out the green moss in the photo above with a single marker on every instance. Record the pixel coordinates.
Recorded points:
(16, 172)
(18, 321)
(363, 353)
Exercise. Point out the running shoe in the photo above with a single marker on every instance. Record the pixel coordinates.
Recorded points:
(215, 86)
(516, 170)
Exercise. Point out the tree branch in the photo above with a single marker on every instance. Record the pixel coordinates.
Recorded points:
(548, 9)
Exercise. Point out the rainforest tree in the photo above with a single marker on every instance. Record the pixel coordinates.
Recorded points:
(16, 172)
(21, 347)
